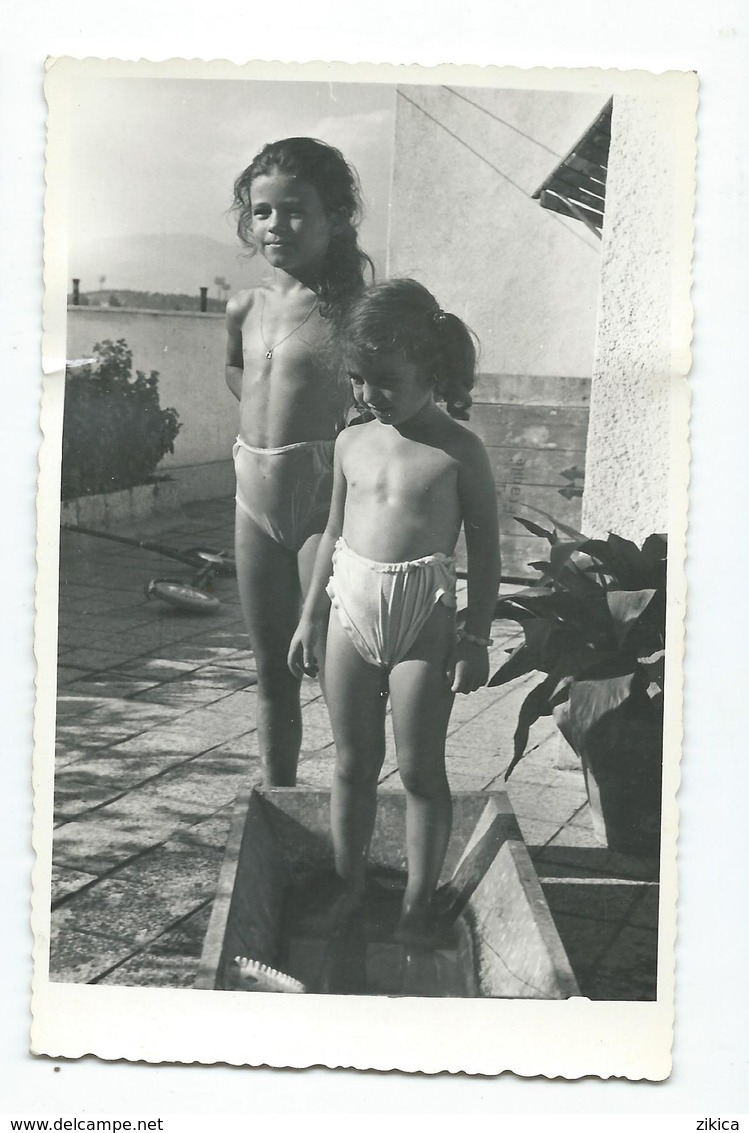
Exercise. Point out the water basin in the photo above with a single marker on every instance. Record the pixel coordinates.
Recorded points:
(276, 893)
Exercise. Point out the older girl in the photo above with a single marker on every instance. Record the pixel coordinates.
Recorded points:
(298, 205)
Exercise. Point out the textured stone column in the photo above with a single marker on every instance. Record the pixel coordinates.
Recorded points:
(644, 325)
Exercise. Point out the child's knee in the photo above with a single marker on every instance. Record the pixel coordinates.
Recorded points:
(275, 681)
(357, 768)
(425, 783)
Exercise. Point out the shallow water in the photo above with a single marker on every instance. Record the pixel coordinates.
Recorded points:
(362, 958)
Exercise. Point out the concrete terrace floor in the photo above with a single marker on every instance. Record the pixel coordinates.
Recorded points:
(156, 734)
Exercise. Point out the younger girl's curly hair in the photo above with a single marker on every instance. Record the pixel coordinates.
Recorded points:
(401, 315)
(324, 168)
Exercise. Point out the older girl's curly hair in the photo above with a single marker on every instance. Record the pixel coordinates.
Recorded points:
(324, 168)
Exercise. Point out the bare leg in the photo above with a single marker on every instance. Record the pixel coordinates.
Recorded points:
(421, 704)
(356, 694)
(306, 563)
(269, 592)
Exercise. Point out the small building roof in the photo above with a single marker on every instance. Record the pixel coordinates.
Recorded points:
(577, 187)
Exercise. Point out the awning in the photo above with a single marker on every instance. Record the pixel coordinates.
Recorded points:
(577, 187)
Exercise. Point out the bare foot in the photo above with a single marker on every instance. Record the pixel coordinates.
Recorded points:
(346, 905)
(417, 926)
(424, 926)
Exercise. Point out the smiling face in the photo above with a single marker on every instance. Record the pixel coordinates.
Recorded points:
(390, 386)
(290, 225)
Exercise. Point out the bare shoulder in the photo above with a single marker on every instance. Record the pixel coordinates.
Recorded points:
(464, 446)
(239, 306)
(351, 439)
(352, 436)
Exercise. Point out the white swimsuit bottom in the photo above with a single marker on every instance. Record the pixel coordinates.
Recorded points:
(384, 606)
(285, 491)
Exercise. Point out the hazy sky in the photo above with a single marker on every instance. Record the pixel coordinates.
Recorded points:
(160, 155)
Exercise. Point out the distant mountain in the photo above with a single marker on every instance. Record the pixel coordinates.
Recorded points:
(179, 264)
(171, 264)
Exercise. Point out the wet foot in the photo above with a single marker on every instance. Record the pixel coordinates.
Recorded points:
(348, 902)
(425, 926)
(418, 927)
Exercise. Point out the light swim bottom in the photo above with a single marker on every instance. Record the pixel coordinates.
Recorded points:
(383, 606)
(285, 491)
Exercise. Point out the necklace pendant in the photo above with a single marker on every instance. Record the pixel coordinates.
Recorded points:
(269, 354)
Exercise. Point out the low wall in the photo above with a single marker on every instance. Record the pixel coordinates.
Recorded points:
(535, 430)
(187, 349)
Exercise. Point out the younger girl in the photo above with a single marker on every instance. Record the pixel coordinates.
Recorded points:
(404, 483)
(298, 204)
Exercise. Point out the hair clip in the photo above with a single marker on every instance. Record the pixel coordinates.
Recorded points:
(438, 316)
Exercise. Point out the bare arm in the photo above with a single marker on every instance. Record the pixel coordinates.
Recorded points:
(236, 312)
(302, 656)
(479, 504)
(317, 601)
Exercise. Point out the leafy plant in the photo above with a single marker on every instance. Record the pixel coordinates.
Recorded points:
(595, 624)
(115, 432)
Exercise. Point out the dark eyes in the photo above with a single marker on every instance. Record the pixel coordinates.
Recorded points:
(263, 213)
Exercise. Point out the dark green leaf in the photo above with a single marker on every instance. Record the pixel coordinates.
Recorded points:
(535, 705)
(535, 529)
(518, 664)
(591, 700)
(570, 532)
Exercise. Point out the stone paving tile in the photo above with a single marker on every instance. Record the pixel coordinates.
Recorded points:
(491, 733)
(77, 957)
(549, 804)
(181, 694)
(158, 668)
(214, 830)
(190, 651)
(107, 686)
(166, 741)
(316, 768)
(67, 881)
(576, 861)
(140, 903)
(110, 836)
(235, 752)
(94, 660)
(604, 900)
(87, 738)
(171, 961)
(66, 674)
(108, 775)
(199, 784)
(578, 836)
(220, 677)
(76, 797)
(73, 705)
(128, 714)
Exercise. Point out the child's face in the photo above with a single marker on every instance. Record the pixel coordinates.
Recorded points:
(390, 386)
(289, 222)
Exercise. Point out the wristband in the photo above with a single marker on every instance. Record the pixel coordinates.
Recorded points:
(473, 640)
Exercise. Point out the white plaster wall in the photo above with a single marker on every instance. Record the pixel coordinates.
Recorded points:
(638, 362)
(465, 224)
(187, 349)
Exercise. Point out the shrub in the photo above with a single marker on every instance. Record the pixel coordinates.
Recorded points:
(115, 432)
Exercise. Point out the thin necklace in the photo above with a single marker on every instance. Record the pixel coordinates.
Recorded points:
(269, 349)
